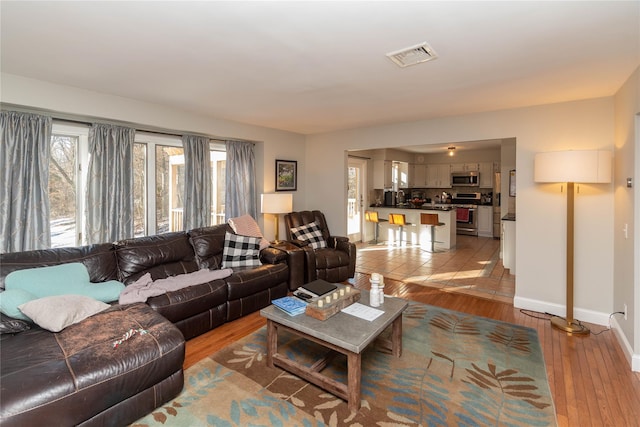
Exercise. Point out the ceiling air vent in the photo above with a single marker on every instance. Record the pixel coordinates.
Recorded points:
(413, 55)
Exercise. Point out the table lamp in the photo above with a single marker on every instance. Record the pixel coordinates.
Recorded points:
(276, 204)
(580, 166)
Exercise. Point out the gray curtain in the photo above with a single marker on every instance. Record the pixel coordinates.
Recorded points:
(24, 187)
(197, 182)
(240, 194)
(109, 198)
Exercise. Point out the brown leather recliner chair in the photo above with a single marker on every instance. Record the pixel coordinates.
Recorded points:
(334, 263)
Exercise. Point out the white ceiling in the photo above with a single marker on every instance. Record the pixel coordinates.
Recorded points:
(312, 67)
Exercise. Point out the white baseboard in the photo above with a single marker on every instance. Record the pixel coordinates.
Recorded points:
(590, 316)
(633, 359)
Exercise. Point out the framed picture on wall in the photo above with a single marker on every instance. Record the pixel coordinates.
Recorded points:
(286, 175)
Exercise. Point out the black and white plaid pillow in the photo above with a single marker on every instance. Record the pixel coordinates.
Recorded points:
(240, 251)
(310, 233)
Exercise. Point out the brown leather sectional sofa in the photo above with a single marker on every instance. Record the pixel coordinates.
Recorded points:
(77, 377)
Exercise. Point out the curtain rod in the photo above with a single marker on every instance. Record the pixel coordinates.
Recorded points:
(81, 122)
(88, 121)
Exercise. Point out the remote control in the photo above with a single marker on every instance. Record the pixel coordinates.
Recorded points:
(303, 296)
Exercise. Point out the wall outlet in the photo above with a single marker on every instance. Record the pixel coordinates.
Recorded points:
(625, 312)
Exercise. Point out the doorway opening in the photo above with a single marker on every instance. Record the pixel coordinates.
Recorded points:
(356, 180)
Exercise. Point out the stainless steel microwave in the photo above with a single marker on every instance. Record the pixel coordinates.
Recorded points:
(465, 179)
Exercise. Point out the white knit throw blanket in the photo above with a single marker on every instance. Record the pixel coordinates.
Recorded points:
(145, 287)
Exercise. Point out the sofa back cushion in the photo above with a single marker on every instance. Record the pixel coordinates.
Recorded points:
(208, 244)
(99, 259)
(162, 256)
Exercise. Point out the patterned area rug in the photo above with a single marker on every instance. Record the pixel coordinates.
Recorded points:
(455, 369)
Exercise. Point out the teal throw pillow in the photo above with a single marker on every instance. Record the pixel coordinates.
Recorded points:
(11, 299)
(63, 279)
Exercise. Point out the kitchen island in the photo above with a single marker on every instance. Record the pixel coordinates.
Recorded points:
(416, 233)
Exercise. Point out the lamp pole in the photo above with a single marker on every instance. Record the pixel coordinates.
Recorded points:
(568, 324)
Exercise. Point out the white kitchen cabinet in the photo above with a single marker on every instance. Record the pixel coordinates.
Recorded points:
(401, 175)
(382, 174)
(464, 167)
(486, 174)
(417, 175)
(485, 221)
(439, 176)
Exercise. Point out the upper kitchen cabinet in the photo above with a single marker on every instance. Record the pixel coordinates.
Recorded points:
(400, 175)
(390, 174)
(382, 174)
(486, 170)
(417, 175)
(438, 176)
(464, 167)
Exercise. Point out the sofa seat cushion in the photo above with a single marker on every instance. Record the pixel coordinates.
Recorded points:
(73, 375)
(187, 302)
(250, 281)
(328, 258)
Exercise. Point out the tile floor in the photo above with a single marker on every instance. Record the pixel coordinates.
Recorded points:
(472, 267)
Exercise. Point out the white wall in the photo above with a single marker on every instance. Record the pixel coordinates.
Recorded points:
(540, 212)
(271, 143)
(627, 165)
(540, 225)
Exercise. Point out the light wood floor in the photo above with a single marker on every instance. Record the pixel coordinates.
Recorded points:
(473, 267)
(590, 380)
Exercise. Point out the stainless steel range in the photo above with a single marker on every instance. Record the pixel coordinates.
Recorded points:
(466, 213)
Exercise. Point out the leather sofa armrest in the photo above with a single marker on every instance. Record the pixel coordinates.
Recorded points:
(343, 244)
(295, 257)
(299, 243)
(336, 242)
(273, 256)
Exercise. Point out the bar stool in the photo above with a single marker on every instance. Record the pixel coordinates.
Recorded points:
(400, 221)
(431, 220)
(372, 216)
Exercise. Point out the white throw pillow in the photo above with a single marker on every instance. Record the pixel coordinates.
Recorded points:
(57, 312)
(240, 251)
(310, 233)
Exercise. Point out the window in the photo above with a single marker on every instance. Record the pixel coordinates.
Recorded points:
(158, 164)
(139, 189)
(218, 171)
(68, 153)
(169, 188)
(62, 189)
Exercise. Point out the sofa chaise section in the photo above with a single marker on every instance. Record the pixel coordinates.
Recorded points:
(78, 377)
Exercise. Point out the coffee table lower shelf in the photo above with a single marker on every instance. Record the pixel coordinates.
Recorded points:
(350, 391)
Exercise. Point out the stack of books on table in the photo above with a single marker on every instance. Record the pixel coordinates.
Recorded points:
(290, 305)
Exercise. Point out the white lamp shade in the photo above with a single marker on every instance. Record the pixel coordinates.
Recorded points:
(586, 166)
(276, 203)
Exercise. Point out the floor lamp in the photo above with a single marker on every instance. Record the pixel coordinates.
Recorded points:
(572, 167)
(276, 204)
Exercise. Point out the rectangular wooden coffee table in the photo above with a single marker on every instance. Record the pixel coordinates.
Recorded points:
(342, 333)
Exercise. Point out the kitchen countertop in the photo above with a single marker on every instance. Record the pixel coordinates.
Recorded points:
(509, 217)
(428, 206)
(425, 207)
